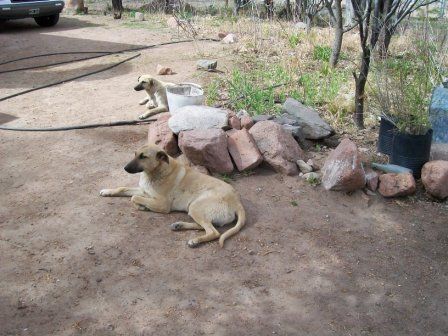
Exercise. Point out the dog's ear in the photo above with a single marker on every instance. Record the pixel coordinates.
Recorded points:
(162, 156)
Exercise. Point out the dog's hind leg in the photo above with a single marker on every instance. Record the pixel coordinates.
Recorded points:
(210, 232)
(178, 226)
(121, 192)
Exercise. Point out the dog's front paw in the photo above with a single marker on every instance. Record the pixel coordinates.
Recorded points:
(150, 105)
(193, 243)
(143, 116)
(105, 193)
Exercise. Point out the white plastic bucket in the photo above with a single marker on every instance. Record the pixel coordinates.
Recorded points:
(183, 95)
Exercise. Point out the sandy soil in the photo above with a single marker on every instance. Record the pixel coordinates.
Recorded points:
(309, 262)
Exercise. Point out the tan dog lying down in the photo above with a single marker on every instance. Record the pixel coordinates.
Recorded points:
(167, 185)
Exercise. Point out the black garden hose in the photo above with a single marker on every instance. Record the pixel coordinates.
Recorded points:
(75, 127)
(105, 53)
(68, 79)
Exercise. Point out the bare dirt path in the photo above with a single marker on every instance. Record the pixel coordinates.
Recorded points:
(309, 262)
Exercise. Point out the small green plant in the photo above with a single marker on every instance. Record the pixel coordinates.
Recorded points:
(294, 203)
(226, 178)
(212, 92)
(322, 53)
(403, 86)
(313, 181)
(294, 40)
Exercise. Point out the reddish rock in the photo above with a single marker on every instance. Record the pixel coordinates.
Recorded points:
(234, 122)
(163, 116)
(183, 159)
(161, 135)
(278, 147)
(246, 122)
(372, 178)
(395, 185)
(243, 150)
(208, 148)
(221, 35)
(163, 70)
(435, 178)
(343, 168)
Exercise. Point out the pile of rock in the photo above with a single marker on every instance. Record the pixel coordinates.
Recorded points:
(344, 171)
(220, 141)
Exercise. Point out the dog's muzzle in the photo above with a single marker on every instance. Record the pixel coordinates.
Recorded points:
(139, 87)
(133, 167)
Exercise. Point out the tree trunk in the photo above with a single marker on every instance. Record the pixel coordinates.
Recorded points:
(384, 45)
(360, 82)
(117, 6)
(349, 14)
(269, 8)
(309, 21)
(299, 11)
(338, 32)
(288, 9)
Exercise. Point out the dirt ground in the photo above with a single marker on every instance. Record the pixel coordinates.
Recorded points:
(309, 262)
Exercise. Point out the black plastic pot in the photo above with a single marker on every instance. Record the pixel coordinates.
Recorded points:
(411, 151)
(385, 136)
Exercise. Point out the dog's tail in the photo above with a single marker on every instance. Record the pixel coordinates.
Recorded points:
(241, 213)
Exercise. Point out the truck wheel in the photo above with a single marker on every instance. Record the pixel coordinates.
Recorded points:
(47, 21)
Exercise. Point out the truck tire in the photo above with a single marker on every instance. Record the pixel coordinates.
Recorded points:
(47, 21)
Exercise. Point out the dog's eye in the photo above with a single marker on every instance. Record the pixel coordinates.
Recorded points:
(141, 156)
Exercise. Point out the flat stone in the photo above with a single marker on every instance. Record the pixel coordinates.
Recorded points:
(243, 150)
(435, 178)
(313, 126)
(278, 147)
(198, 117)
(343, 168)
(161, 135)
(396, 185)
(206, 64)
(208, 148)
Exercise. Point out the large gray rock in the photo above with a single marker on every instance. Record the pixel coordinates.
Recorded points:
(208, 148)
(438, 114)
(278, 147)
(206, 64)
(188, 118)
(313, 126)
